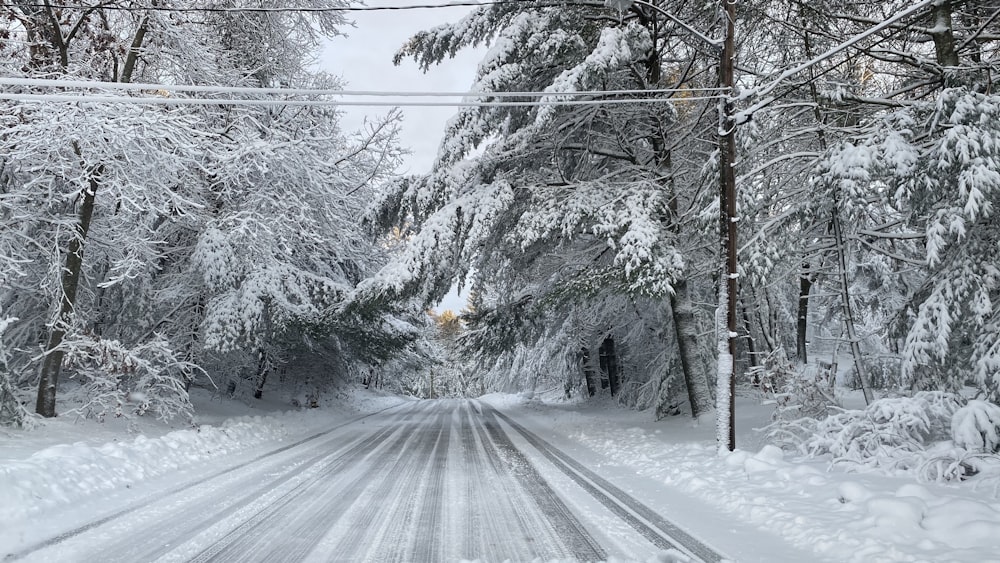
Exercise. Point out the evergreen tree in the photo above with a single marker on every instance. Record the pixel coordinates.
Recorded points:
(589, 198)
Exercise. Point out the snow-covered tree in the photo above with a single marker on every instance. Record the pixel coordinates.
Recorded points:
(952, 339)
(588, 198)
(204, 230)
(819, 181)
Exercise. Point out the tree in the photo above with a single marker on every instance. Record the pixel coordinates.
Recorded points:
(597, 184)
(448, 324)
(204, 226)
(867, 108)
(73, 43)
(835, 137)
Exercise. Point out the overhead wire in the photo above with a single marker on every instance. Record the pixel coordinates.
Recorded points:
(169, 101)
(308, 9)
(213, 89)
(557, 98)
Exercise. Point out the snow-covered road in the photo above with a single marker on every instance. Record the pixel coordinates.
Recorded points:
(425, 481)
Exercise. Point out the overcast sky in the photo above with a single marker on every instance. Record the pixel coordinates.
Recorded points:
(364, 60)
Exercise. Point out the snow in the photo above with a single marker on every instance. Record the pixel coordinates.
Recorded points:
(808, 505)
(976, 426)
(37, 477)
(70, 472)
(757, 503)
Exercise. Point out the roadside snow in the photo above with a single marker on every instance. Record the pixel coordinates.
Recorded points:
(847, 517)
(791, 506)
(66, 473)
(42, 476)
(838, 516)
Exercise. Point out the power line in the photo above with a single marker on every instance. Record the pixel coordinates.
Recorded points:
(310, 9)
(167, 101)
(130, 86)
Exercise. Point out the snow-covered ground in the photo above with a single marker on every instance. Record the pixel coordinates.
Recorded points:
(755, 504)
(801, 505)
(68, 459)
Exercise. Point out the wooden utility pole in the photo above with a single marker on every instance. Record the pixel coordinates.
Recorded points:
(728, 287)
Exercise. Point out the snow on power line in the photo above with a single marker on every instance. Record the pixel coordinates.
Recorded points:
(213, 89)
(168, 101)
(50, 90)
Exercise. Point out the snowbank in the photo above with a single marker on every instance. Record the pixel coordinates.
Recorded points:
(63, 474)
(843, 517)
(59, 475)
(805, 505)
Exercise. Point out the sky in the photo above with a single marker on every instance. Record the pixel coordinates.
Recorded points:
(363, 58)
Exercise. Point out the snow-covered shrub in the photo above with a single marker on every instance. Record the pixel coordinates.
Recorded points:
(773, 374)
(942, 406)
(883, 373)
(862, 436)
(900, 433)
(808, 393)
(123, 382)
(976, 427)
(943, 461)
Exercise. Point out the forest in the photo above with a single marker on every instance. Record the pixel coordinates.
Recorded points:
(193, 218)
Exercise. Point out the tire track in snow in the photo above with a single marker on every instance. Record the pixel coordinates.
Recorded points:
(372, 515)
(473, 537)
(657, 529)
(324, 463)
(431, 509)
(392, 541)
(265, 536)
(567, 529)
(247, 538)
(341, 501)
(387, 494)
(510, 518)
(299, 462)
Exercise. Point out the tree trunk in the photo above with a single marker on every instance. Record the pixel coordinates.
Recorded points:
(588, 372)
(845, 301)
(941, 33)
(262, 370)
(681, 308)
(191, 347)
(45, 404)
(766, 326)
(48, 381)
(609, 363)
(751, 344)
(135, 49)
(10, 409)
(695, 376)
(805, 286)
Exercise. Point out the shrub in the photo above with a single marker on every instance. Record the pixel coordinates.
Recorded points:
(124, 382)
(976, 427)
(902, 433)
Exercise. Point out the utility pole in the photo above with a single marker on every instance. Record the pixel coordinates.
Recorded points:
(728, 287)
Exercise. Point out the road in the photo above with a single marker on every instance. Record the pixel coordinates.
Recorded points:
(442, 480)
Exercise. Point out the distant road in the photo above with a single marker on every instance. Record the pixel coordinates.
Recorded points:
(434, 481)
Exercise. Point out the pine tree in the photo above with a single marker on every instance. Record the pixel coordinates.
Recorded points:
(588, 198)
